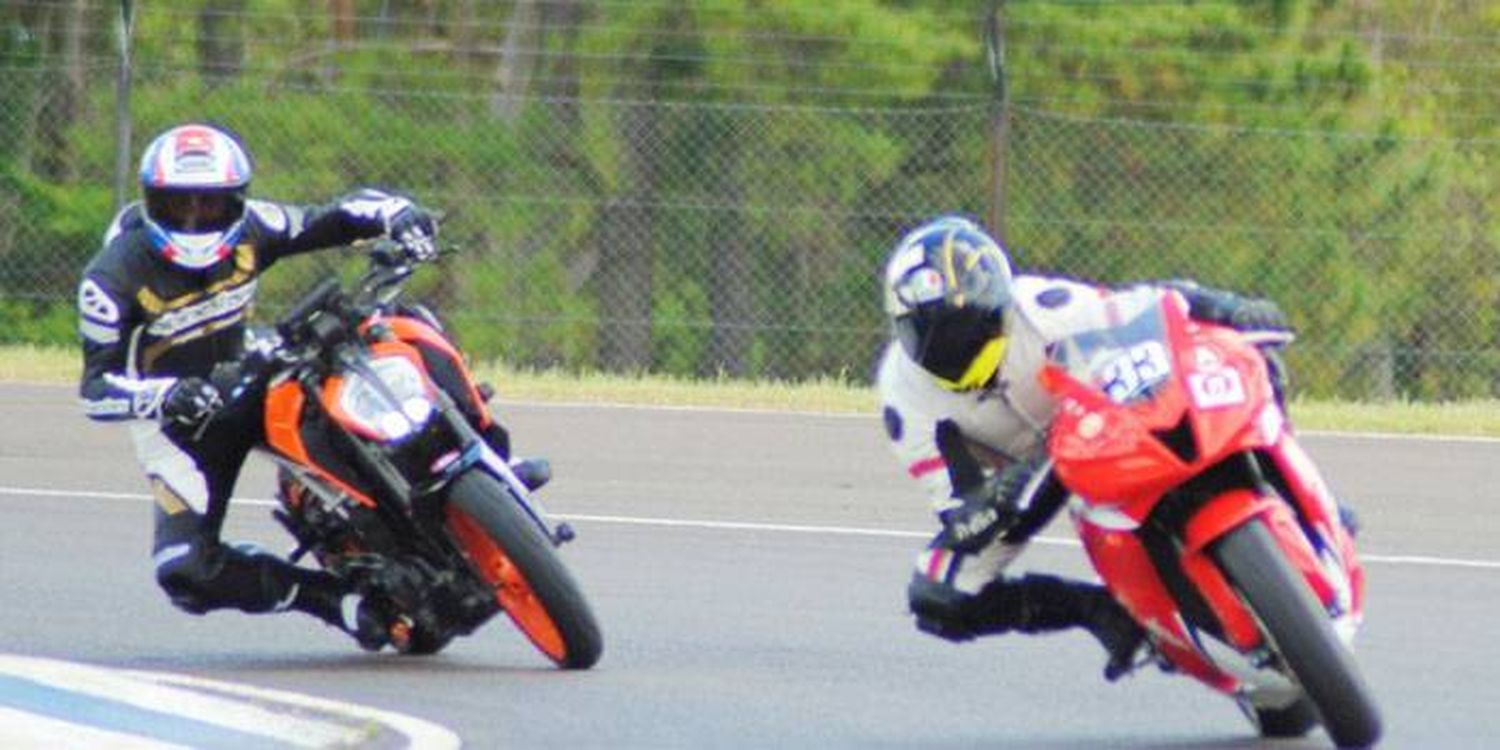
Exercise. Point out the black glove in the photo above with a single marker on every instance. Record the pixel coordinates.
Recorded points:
(1229, 309)
(1258, 315)
(980, 514)
(191, 402)
(415, 231)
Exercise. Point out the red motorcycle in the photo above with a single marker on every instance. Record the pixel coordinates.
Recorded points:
(1205, 518)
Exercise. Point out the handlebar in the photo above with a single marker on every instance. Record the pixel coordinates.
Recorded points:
(378, 287)
(304, 324)
(313, 301)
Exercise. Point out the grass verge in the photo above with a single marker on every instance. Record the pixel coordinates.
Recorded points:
(30, 364)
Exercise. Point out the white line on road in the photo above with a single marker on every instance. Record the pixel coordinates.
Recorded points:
(276, 716)
(1425, 560)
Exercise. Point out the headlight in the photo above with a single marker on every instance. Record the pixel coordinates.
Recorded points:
(392, 409)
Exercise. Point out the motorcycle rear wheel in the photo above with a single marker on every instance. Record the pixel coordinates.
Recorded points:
(1301, 633)
(508, 551)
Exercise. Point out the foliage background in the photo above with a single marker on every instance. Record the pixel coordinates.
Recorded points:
(709, 188)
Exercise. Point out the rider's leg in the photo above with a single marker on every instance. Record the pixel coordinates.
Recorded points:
(960, 596)
(191, 481)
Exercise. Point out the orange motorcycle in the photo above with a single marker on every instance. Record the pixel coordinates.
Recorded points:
(386, 480)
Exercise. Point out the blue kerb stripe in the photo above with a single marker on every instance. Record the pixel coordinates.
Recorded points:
(103, 713)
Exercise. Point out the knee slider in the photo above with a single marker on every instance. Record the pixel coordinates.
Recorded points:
(941, 610)
(186, 575)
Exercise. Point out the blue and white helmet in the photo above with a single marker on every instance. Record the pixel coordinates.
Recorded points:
(194, 179)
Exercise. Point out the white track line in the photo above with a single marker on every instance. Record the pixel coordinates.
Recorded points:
(282, 717)
(1424, 560)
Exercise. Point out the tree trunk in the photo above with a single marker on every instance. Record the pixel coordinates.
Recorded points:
(561, 20)
(221, 41)
(343, 21)
(625, 240)
(518, 54)
(62, 100)
(731, 279)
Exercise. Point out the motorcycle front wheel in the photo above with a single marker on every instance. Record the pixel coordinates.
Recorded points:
(509, 553)
(1300, 633)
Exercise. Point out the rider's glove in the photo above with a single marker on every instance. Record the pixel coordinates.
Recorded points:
(977, 516)
(1258, 315)
(191, 402)
(1229, 309)
(415, 231)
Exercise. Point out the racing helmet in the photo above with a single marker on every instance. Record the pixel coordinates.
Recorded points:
(947, 286)
(194, 179)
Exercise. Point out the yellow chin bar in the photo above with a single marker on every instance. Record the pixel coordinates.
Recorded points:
(981, 369)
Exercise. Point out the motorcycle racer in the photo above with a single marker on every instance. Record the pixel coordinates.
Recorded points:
(165, 300)
(968, 420)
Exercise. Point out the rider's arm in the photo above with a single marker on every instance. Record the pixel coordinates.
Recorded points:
(1223, 307)
(933, 451)
(108, 388)
(362, 215)
(930, 451)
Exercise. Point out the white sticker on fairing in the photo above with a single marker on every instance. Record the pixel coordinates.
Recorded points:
(1211, 390)
(96, 305)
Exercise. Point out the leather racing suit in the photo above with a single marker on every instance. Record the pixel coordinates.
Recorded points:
(145, 323)
(951, 443)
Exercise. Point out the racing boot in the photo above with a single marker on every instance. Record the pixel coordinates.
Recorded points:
(1036, 603)
(1116, 630)
(533, 472)
(365, 620)
(335, 602)
(1349, 518)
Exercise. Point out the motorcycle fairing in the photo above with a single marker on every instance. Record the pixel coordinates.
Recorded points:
(1138, 443)
(285, 404)
(1144, 407)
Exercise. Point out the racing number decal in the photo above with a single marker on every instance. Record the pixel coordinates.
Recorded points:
(1216, 389)
(1133, 370)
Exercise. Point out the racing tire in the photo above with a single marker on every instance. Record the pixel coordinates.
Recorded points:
(1300, 632)
(509, 552)
(1295, 720)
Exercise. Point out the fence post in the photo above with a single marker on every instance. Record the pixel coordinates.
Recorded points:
(122, 108)
(994, 47)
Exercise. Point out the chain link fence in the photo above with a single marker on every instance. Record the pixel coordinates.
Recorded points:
(651, 223)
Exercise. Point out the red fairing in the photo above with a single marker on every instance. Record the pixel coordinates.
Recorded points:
(1107, 450)
(1317, 508)
(1124, 565)
(1150, 404)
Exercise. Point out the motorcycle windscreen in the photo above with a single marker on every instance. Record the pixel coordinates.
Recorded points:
(1126, 362)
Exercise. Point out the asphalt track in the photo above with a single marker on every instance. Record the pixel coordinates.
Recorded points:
(748, 571)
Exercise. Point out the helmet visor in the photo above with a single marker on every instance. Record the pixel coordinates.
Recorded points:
(195, 211)
(961, 347)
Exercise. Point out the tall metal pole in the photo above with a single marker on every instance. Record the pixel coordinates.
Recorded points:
(994, 47)
(122, 108)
